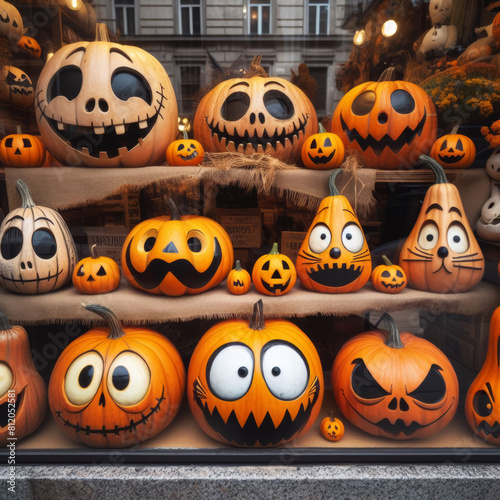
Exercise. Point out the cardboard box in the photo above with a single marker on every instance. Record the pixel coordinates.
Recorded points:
(290, 243)
(244, 226)
(109, 240)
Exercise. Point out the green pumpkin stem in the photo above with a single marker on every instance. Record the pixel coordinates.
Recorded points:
(237, 266)
(321, 128)
(93, 251)
(386, 260)
(112, 322)
(257, 322)
(25, 194)
(435, 167)
(394, 339)
(174, 211)
(4, 322)
(331, 182)
(274, 249)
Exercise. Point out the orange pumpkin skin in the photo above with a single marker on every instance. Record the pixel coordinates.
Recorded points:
(96, 274)
(334, 256)
(395, 385)
(323, 150)
(20, 383)
(332, 428)
(481, 403)
(260, 114)
(388, 278)
(495, 28)
(274, 273)
(116, 387)
(454, 151)
(177, 255)
(22, 150)
(185, 152)
(16, 87)
(441, 254)
(30, 45)
(238, 280)
(255, 385)
(373, 119)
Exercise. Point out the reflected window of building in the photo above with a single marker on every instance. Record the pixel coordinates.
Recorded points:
(259, 17)
(318, 17)
(320, 74)
(125, 16)
(190, 78)
(190, 17)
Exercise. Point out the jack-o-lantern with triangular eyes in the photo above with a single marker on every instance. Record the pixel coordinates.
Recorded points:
(454, 150)
(334, 256)
(103, 104)
(323, 150)
(395, 385)
(257, 384)
(30, 46)
(17, 90)
(255, 114)
(22, 150)
(185, 152)
(11, 22)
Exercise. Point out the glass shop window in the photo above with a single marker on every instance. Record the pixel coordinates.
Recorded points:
(190, 85)
(320, 74)
(190, 14)
(318, 17)
(260, 17)
(125, 16)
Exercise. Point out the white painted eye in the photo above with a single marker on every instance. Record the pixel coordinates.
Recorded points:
(320, 238)
(129, 379)
(6, 378)
(428, 236)
(83, 378)
(230, 372)
(457, 238)
(285, 370)
(353, 238)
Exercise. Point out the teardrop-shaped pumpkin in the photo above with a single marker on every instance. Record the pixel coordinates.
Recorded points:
(238, 280)
(441, 254)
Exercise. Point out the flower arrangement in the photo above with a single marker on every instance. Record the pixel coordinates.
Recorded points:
(492, 134)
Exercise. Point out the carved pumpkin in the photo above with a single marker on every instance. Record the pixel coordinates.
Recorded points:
(37, 252)
(332, 428)
(388, 278)
(114, 386)
(454, 150)
(257, 384)
(22, 150)
(488, 227)
(323, 150)
(21, 386)
(238, 280)
(18, 89)
(394, 385)
(257, 114)
(441, 254)
(30, 45)
(95, 274)
(177, 255)
(388, 124)
(102, 104)
(185, 152)
(11, 22)
(334, 256)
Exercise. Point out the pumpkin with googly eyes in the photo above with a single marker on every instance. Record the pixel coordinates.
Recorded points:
(454, 150)
(185, 152)
(388, 278)
(115, 386)
(255, 384)
(334, 256)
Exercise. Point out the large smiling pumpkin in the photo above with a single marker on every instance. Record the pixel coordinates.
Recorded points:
(389, 124)
(114, 386)
(394, 384)
(257, 384)
(334, 256)
(102, 104)
(177, 255)
(255, 114)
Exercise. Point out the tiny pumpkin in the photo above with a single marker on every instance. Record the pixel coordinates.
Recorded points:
(238, 280)
(454, 150)
(96, 274)
(388, 278)
(274, 273)
(22, 150)
(30, 46)
(16, 87)
(323, 150)
(185, 152)
(332, 428)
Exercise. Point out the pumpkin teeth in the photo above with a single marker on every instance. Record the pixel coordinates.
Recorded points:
(487, 429)
(333, 275)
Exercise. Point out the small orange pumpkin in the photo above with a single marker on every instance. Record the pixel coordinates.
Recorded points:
(388, 278)
(274, 273)
(185, 152)
(16, 87)
(454, 150)
(495, 28)
(94, 274)
(332, 428)
(238, 280)
(22, 150)
(323, 150)
(30, 45)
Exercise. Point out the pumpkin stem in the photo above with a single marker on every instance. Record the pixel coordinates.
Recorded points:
(331, 416)
(19, 129)
(394, 339)
(388, 75)
(112, 322)
(237, 266)
(24, 192)
(274, 249)
(4, 322)
(321, 128)
(185, 135)
(436, 168)
(455, 128)
(386, 260)
(331, 182)
(174, 211)
(93, 251)
(257, 322)
(101, 33)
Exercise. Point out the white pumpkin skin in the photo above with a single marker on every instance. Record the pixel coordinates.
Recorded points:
(488, 226)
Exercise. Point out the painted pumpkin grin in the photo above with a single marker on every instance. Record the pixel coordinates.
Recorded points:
(192, 156)
(451, 159)
(322, 160)
(489, 430)
(405, 139)
(392, 285)
(4, 417)
(334, 276)
(35, 280)
(273, 288)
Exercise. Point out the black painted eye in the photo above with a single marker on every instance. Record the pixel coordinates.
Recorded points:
(433, 389)
(402, 102)
(364, 103)
(386, 274)
(26, 143)
(149, 244)
(80, 271)
(235, 106)
(126, 84)
(120, 378)
(86, 376)
(101, 272)
(278, 105)
(44, 243)
(67, 82)
(399, 274)
(459, 145)
(363, 383)
(285, 264)
(181, 147)
(12, 243)
(444, 145)
(265, 267)
(194, 244)
(8, 142)
(313, 144)
(482, 404)
(83, 378)
(328, 143)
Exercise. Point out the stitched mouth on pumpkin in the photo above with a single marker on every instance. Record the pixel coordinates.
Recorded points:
(265, 434)
(489, 430)
(262, 139)
(276, 287)
(451, 159)
(377, 146)
(334, 275)
(6, 408)
(103, 431)
(35, 280)
(321, 160)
